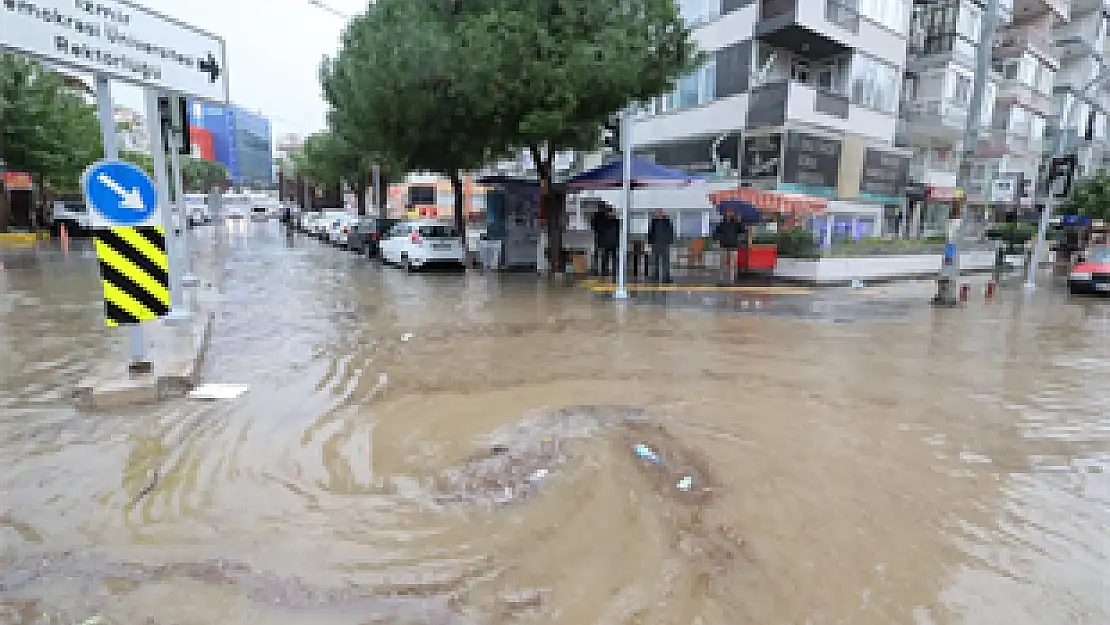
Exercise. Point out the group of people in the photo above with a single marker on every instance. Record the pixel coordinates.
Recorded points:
(728, 235)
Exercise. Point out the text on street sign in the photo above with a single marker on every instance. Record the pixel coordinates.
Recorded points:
(118, 39)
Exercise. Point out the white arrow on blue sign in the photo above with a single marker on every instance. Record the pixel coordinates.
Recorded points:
(120, 194)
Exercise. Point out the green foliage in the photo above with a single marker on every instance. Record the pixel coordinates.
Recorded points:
(202, 174)
(46, 126)
(797, 243)
(1012, 233)
(447, 85)
(1090, 197)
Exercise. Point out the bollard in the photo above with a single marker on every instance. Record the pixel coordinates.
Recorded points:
(63, 238)
(965, 292)
(990, 290)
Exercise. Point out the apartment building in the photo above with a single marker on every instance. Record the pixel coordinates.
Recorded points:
(798, 99)
(1081, 45)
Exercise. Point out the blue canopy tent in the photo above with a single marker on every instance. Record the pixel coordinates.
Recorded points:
(643, 174)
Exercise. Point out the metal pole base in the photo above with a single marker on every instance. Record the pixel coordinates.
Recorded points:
(140, 367)
(620, 294)
(178, 316)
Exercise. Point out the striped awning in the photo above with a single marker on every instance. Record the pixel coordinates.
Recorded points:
(779, 202)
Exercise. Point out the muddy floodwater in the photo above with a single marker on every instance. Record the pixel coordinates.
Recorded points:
(461, 449)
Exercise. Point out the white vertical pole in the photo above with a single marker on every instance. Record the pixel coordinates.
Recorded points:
(106, 111)
(377, 181)
(162, 183)
(626, 207)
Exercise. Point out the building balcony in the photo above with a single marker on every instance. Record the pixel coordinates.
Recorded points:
(1031, 36)
(1013, 92)
(1000, 142)
(933, 121)
(772, 104)
(795, 25)
(1084, 36)
(1060, 9)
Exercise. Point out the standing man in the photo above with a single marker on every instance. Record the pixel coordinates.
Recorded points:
(660, 237)
(609, 240)
(727, 235)
(597, 223)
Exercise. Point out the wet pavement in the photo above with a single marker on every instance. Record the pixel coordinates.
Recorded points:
(466, 449)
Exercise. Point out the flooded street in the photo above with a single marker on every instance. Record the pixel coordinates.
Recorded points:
(462, 449)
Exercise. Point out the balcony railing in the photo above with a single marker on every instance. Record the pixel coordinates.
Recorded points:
(771, 104)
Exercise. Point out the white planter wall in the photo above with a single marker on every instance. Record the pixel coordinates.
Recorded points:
(875, 267)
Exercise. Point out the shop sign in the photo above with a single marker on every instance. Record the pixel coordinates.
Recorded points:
(811, 161)
(945, 194)
(762, 157)
(18, 181)
(884, 174)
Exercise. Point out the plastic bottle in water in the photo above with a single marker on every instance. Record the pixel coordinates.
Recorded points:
(644, 452)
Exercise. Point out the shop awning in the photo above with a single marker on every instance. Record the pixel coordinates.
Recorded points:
(778, 202)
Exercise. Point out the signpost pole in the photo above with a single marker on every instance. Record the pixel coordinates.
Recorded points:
(162, 183)
(626, 206)
(106, 112)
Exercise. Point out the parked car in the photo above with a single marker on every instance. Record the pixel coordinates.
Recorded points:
(339, 230)
(419, 244)
(366, 235)
(322, 221)
(1092, 273)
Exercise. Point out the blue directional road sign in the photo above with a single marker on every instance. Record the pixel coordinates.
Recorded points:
(120, 194)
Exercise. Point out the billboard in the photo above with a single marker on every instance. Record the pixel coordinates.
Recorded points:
(238, 139)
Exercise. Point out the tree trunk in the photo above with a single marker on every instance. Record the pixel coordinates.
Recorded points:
(380, 196)
(550, 207)
(460, 204)
(360, 191)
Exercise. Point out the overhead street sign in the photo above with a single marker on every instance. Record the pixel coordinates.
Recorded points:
(120, 194)
(118, 39)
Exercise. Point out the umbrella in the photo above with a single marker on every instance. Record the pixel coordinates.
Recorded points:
(746, 212)
(644, 174)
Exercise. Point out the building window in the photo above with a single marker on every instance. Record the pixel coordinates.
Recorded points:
(699, 11)
(961, 91)
(888, 13)
(875, 84)
(688, 91)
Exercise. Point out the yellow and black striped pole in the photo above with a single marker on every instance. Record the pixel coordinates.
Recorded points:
(134, 271)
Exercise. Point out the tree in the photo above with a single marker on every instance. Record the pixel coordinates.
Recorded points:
(402, 85)
(46, 126)
(1090, 197)
(560, 68)
(201, 174)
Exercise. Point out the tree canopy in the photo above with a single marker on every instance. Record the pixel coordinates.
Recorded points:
(46, 126)
(448, 85)
(198, 175)
(1090, 197)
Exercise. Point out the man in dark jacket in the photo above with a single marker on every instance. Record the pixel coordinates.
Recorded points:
(727, 234)
(598, 223)
(660, 237)
(608, 240)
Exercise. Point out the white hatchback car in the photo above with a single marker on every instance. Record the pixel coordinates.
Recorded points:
(418, 244)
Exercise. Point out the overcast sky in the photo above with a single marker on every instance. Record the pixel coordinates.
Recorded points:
(274, 49)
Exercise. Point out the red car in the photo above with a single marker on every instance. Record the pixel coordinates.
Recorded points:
(1092, 273)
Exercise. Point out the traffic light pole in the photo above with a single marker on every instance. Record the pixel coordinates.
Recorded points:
(1059, 150)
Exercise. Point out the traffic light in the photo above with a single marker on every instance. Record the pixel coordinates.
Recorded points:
(1061, 172)
(169, 122)
(1024, 189)
(611, 133)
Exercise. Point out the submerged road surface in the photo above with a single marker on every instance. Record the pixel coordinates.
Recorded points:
(455, 449)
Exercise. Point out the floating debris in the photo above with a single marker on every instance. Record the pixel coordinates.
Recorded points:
(685, 483)
(218, 391)
(643, 452)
